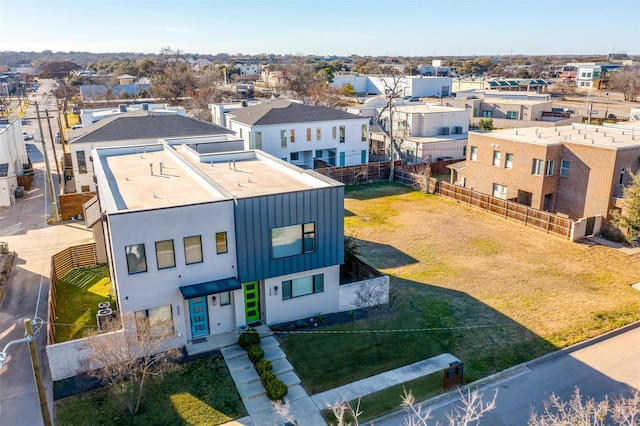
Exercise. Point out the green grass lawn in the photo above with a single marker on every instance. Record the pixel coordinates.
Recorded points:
(77, 297)
(199, 392)
(485, 289)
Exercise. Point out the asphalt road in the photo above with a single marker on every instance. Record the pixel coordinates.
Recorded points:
(607, 365)
(24, 227)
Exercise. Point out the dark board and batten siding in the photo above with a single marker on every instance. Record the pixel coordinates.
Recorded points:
(256, 217)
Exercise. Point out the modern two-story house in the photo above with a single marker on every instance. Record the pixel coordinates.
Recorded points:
(217, 240)
(300, 134)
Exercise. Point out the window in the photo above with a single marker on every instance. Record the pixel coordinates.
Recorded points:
(536, 167)
(363, 156)
(496, 158)
(564, 168)
(622, 176)
(221, 242)
(512, 115)
(82, 162)
(292, 135)
(486, 113)
(551, 165)
(308, 134)
(164, 254)
(85, 188)
(363, 135)
(342, 134)
(499, 191)
(318, 134)
(283, 138)
(342, 159)
(294, 156)
(302, 286)
(192, 249)
(474, 153)
(136, 259)
(240, 132)
(225, 298)
(319, 153)
(159, 320)
(293, 240)
(508, 164)
(333, 132)
(258, 140)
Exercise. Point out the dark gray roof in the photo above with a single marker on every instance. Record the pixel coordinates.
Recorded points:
(145, 125)
(281, 111)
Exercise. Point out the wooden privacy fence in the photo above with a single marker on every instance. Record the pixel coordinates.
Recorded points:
(545, 221)
(61, 263)
(361, 173)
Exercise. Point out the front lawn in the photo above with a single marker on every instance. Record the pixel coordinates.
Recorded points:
(488, 290)
(77, 296)
(199, 392)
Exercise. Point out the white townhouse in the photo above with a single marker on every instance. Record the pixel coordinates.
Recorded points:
(126, 129)
(214, 241)
(13, 157)
(300, 134)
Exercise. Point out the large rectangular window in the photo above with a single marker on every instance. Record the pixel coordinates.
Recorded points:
(225, 298)
(512, 115)
(363, 132)
(564, 168)
(549, 169)
(293, 240)
(165, 255)
(158, 321)
(258, 136)
(294, 156)
(302, 286)
(499, 191)
(508, 164)
(474, 153)
(537, 166)
(496, 158)
(283, 138)
(342, 156)
(136, 258)
(343, 133)
(82, 162)
(363, 156)
(192, 249)
(221, 242)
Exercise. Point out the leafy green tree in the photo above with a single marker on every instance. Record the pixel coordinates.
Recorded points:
(486, 124)
(348, 90)
(629, 217)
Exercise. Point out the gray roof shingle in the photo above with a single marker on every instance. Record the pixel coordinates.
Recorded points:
(281, 111)
(145, 125)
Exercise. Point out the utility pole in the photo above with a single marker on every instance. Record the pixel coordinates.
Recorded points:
(37, 374)
(53, 146)
(52, 194)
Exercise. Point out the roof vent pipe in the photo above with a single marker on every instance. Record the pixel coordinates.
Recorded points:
(151, 168)
(161, 167)
(229, 164)
(234, 165)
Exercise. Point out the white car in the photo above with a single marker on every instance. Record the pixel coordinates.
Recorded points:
(25, 135)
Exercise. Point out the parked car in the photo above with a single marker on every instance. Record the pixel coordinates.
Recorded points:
(413, 99)
(77, 126)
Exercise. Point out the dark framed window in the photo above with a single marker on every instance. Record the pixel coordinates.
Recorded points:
(192, 249)
(293, 240)
(225, 298)
(165, 255)
(302, 286)
(221, 242)
(136, 258)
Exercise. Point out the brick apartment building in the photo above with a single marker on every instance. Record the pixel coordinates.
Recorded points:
(578, 170)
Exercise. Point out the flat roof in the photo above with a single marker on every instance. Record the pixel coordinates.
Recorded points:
(427, 108)
(613, 136)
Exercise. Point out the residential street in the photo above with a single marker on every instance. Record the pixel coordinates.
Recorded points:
(607, 365)
(23, 226)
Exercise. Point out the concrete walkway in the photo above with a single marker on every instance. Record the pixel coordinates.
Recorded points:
(303, 408)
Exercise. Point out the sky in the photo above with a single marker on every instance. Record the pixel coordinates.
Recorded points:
(324, 27)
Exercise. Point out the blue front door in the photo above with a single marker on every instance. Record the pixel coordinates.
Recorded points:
(199, 317)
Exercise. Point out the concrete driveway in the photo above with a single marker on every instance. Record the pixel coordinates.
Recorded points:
(24, 227)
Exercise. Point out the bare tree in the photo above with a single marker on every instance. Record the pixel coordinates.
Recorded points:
(127, 357)
(574, 412)
(392, 91)
(564, 87)
(299, 76)
(373, 299)
(627, 81)
(625, 411)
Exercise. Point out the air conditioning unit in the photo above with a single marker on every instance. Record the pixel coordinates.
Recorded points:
(444, 131)
(457, 130)
(103, 317)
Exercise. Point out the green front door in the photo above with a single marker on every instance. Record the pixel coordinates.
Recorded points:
(252, 301)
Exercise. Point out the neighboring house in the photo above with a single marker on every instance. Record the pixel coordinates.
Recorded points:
(130, 128)
(13, 157)
(511, 109)
(417, 86)
(217, 241)
(594, 76)
(126, 79)
(300, 134)
(578, 170)
(90, 116)
(426, 133)
(219, 111)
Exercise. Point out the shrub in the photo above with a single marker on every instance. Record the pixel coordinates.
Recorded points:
(249, 338)
(276, 390)
(263, 365)
(255, 353)
(267, 376)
